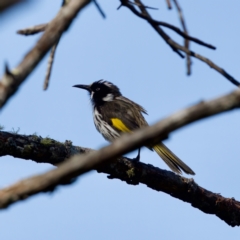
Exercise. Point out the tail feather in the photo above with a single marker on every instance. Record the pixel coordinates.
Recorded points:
(172, 160)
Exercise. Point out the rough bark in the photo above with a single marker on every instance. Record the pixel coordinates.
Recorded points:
(46, 150)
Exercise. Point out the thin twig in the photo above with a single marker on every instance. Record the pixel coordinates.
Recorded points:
(54, 30)
(177, 30)
(33, 30)
(49, 66)
(156, 27)
(181, 18)
(147, 7)
(186, 41)
(99, 8)
(169, 4)
(119, 6)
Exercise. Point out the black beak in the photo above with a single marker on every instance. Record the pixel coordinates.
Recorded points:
(86, 87)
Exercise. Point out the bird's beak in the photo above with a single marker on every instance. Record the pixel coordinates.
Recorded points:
(86, 87)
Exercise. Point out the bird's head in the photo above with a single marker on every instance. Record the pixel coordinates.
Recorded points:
(101, 91)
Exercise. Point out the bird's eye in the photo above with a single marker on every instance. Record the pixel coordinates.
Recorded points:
(97, 89)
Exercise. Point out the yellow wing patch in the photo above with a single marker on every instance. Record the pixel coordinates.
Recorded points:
(117, 123)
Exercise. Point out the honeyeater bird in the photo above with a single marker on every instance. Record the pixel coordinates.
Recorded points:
(114, 114)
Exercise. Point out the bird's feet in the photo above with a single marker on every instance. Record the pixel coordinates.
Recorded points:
(137, 158)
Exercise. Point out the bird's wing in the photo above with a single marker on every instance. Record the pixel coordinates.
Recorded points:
(123, 116)
(124, 99)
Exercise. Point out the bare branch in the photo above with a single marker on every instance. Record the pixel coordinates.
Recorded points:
(54, 30)
(53, 152)
(4, 4)
(49, 66)
(182, 188)
(181, 16)
(147, 7)
(177, 30)
(186, 41)
(169, 4)
(167, 25)
(33, 30)
(155, 26)
(36, 148)
(99, 9)
(176, 46)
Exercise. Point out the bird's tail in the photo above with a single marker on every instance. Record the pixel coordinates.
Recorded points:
(172, 160)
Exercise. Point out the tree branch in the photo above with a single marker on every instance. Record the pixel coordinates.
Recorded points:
(186, 41)
(10, 82)
(33, 30)
(169, 4)
(49, 66)
(164, 24)
(48, 150)
(174, 45)
(4, 4)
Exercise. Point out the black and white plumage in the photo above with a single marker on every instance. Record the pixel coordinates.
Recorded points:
(115, 114)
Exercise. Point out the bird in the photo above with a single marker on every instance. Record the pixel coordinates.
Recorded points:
(114, 114)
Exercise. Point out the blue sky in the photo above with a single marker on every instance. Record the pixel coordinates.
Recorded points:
(125, 50)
